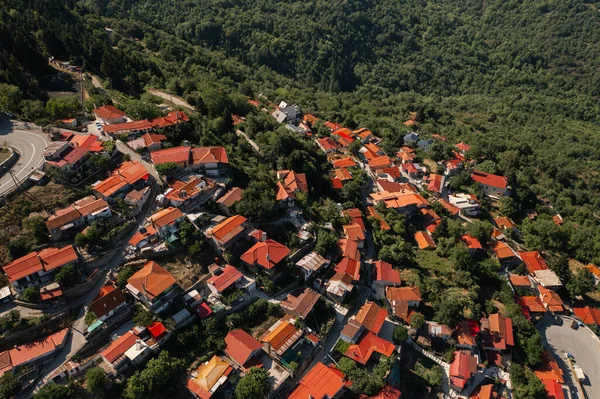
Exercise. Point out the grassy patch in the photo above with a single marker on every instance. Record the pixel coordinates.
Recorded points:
(429, 260)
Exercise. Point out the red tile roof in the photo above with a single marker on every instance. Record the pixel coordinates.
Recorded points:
(343, 163)
(410, 293)
(130, 172)
(143, 125)
(75, 155)
(301, 302)
(166, 217)
(332, 125)
(343, 174)
(229, 228)
(372, 316)
(30, 351)
(119, 346)
(551, 299)
(532, 303)
(179, 155)
(266, 254)
(462, 368)
(226, 279)
(500, 332)
(400, 200)
(367, 344)
(385, 272)
(354, 232)
(350, 267)
(138, 237)
(533, 261)
(435, 183)
(471, 242)
(349, 249)
(240, 345)
(503, 251)
(504, 223)
(489, 180)
(281, 336)
(554, 389)
(588, 315)
(327, 144)
(150, 138)
(108, 112)
(380, 162)
(382, 223)
(463, 147)
(424, 240)
(172, 118)
(231, 197)
(549, 369)
(46, 259)
(204, 155)
(53, 258)
(519, 281)
(157, 330)
(320, 382)
(152, 280)
(107, 299)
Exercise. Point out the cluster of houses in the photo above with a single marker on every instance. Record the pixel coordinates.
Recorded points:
(71, 150)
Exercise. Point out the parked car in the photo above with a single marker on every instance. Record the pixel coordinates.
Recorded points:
(574, 325)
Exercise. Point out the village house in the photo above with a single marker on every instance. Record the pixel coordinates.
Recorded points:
(211, 160)
(435, 184)
(149, 141)
(146, 235)
(172, 118)
(339, 286)
(135, 128)
(466, 203)
(588, 315)
(355, 232)
(311, 264)
(108, 114)
(492, 185)
(180, 156)
(228, 278)
(462, 368)
(368, 344)
(33, 354)
(229, 199)
(401, 299)
(346, 162)
(327, 145)
(155, 287)
(533, 261)
(452, 167)
(281, 337)
(385, 276)
(425, 144)
(289, 184)
(465, 334)
(266, 254)
(39, 267)
(411, 138)
(340, 177)
(321, 382)
(226, 234)
(209, 378)
(343, 136)
(190, 191)
(463, 148)
(136, 199)
(413, 171)
(108, 302)
(402, 202)
(497, 332)
(82, 212)
(300, 302)
(287, 113)
(551, 300)
(350, 267)
(130, 174)
(166, 221)
(424, 240)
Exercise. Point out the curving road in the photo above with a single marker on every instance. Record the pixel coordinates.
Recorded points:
(29, 143)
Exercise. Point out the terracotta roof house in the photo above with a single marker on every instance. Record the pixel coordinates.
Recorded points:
(327, 145)
(504, 252)
(424, 240)
(504, 223)
(121, 181)
(471, 242)
(368, 344)
(212, 160)
(343, 163)
(154, 286)
(166, 221)
(35, 352)
(385, 276)
(462, 368)
(321, 382)
(549, 369)
(108, 114)
(208, 378)
(533, 261)
(497, 332)
(492, 185)
(300, 302)
(172, 118)
(241, 347)
(228, 277)
(463, 147)
(289, 184)
(153, 142)
(266, 254)
(191, 191)
(465, 333)
(595, 272)
(225, 234)
(129, 128)
(354, 232)
(435, 184)
(118, 347)
(380, 162)
(401, 298)
(519, 281)
(146, 235)
(554, 389)
(350, 267)
(402, 202)
(339, 286)
(310, 119)
(179, 155)
(588, 315)
(108, 301)
(38, 267)
(531, 304)
(229, 198)
(551, 300)
(355, 216)
(281, 336)
(311, 264)
(371, 316)
(81, 212)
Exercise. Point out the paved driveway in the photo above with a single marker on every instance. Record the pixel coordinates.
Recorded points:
(29, 143)
(583, 344)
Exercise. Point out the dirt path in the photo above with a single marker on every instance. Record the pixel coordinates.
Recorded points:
(172, 99)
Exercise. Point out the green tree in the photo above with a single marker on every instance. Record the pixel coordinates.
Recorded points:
(90, 318)
(254, 385)
(125, 273)
(60, 108)
(54, 391)
(67, 276)
(581, 283)
(508, 206)
(10, 97)
(143, 317)
(138, 109)
(156, 380)
(398, 254)
(400, 334)
(417, 320)
(31, 295)
(166, 168)
(326, 243)
(37, 227)
(96, 380)
(526, 385)
(9, 385)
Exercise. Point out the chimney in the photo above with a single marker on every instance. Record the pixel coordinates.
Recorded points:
(268, 258)
(183, 193)
(138, 344)
(263, 237)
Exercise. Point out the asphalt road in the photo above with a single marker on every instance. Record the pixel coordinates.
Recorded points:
(582, 344)
(29, 143)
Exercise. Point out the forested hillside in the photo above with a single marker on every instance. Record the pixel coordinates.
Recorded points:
(516, 79)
